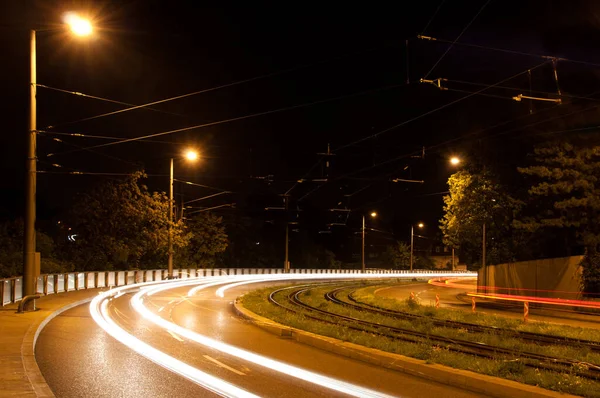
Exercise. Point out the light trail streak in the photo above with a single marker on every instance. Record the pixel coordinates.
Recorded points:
(100, 314)
(289, 370)
(539, 300)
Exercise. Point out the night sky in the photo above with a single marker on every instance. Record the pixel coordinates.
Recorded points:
(344, 64)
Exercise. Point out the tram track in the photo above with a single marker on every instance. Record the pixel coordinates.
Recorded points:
(295, 304)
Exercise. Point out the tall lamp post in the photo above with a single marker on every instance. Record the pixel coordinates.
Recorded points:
(79, 27)
(191, 156)
(373, 215)
(412, 241)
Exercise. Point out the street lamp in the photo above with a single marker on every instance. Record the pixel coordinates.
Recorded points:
(373, 215)
(191, 155)
(412, 239)
(80, 27)
(455, 160)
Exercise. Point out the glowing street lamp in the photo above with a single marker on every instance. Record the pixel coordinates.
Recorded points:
(373, 215)
(192, 156)
(455, 161)
(412, 240)
(80, 27)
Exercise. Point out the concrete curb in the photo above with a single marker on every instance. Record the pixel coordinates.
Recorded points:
(471, 381)
(37, 380)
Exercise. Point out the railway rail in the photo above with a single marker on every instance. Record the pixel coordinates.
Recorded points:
(580, 368)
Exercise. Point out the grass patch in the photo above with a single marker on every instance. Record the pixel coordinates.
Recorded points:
(365, 295)
(425, 349)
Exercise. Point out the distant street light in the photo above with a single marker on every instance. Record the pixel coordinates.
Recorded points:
(454, 160)
(412, 239)
(80, 27)
(191, 155)
(373, 215)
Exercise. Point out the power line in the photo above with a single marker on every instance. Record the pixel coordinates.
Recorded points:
(457, 37)
(92, 151)
(255, 78)
(509, 51)
(79, 94)
(242, 117)
(435, 110)
(433, 16)
(200, 185)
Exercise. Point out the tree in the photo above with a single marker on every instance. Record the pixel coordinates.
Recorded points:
(397, 256)
(11, 251)
(566, 196)
(120, 223)
(208, 239)
(473, 200)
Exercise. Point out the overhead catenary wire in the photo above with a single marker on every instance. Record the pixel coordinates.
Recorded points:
(199, 126)
(222, 86)
(435, 110)
(200, 185)
(80, 94)
(433, 16)
(509, 51)
(457, 38)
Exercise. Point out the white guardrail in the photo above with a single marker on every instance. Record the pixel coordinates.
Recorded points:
(11, 289)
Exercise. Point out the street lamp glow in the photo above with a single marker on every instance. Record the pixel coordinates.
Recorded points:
(373, 214)
(420, 225)
(191, 155)
(78, 25)
(454, 160)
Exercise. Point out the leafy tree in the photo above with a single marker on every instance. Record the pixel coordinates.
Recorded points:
(475, 199)
(566, 194)
(11, 251)
(397, 256)
(208, 239)
(120, 223)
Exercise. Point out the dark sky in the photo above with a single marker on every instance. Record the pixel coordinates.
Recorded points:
(350, 60)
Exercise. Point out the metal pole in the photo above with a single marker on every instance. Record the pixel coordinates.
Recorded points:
(483, 248)
(412, 238)
(363, 245)
(452, 259)
(286, 264)
(29, 271)
(170, 263)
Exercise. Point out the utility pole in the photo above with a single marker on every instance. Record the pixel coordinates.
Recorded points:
(483, 248)
(29, 268)
(286, 264)
(363, 244)
(170, 262)
(412, 240)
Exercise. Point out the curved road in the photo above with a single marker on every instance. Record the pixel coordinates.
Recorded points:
(79, 359)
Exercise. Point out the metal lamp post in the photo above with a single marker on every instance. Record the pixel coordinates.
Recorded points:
(192, 156)
(373, 214)
(80, 27)
(412, 240)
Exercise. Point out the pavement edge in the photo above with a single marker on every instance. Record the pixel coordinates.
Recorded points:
(32, 370)
(471, 381)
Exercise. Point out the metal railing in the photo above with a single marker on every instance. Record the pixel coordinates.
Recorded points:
(11, 288)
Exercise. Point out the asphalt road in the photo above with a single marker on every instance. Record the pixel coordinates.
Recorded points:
(450, 297)
(79, 359)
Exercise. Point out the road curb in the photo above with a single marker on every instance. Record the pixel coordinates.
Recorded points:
(32, 370)
(471, 381)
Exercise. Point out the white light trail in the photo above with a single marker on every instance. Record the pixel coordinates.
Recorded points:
(100, 314)
(289, 370)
